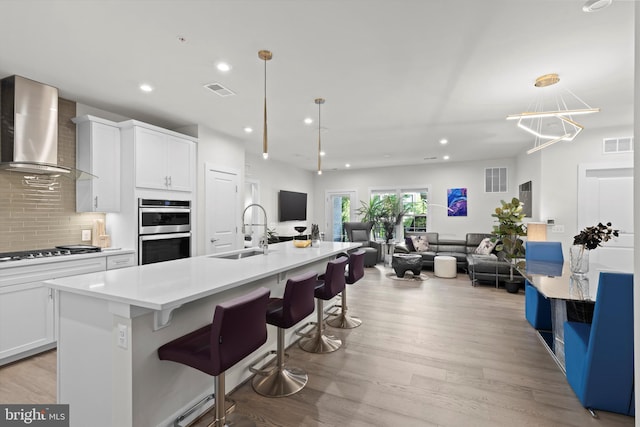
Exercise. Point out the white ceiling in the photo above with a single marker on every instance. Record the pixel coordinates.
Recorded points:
(397, 75)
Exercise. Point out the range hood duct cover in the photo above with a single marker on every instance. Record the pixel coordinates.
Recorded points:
(29, 128)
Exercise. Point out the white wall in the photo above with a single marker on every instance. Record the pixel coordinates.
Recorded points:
(438, 177)
(559, 177)
(636, 208)
(275, 176)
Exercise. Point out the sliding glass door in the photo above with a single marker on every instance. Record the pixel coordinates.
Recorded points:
(339, 208)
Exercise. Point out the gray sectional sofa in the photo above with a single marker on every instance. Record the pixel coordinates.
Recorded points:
(481, 268)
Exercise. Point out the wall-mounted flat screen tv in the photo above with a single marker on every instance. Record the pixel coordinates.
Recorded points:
(292, 206)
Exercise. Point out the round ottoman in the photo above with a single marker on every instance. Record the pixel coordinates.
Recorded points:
(402, 263)
(445, 267)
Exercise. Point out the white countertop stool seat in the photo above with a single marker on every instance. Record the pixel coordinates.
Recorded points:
(445, 267)
(242, 323)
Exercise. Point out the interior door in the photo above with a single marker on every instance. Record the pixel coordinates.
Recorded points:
(605, 193)
(221, 210)
(340, 206)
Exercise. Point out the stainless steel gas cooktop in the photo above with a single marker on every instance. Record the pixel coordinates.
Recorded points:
(45, 253)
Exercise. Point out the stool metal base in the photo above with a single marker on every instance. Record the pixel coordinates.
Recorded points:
(233, 420)
(280, 383)
(341, 319)
(320, 343)
(316, 341)
(344, 321)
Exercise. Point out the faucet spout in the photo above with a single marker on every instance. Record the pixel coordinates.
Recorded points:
(264, 240)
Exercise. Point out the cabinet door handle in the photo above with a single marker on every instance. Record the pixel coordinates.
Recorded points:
(166, 181)
(169, 181)
(95, 202)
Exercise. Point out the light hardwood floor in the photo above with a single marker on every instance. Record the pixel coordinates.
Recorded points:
(433, 353)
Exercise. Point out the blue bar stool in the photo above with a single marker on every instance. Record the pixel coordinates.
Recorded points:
(296, 304)
(239, 328)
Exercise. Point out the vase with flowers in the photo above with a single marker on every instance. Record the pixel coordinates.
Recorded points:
(588, 239)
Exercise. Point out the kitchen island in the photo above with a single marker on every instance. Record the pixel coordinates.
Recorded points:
(111, 323)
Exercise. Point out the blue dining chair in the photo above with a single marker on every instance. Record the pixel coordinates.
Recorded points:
(537, 308)
(599, 355)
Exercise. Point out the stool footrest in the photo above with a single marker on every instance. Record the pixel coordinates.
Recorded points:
(263, 370)
(230, 406)
(333, 310)
(308, 334)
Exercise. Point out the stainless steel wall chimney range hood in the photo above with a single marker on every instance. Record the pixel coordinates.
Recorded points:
(29, 128)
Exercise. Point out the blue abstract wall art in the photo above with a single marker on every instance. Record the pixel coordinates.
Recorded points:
(457, 202)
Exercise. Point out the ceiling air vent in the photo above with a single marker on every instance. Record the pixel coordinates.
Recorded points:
(219, 90)
(617, 145)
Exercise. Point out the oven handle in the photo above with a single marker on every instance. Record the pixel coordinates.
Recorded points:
(164, 210)
(164, 236)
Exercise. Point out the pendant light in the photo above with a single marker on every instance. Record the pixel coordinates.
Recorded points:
(550, 116)
(319, 102)
(265, 55)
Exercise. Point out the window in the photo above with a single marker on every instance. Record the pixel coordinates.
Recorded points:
(414, 202)
(414, 205)
(495, 180)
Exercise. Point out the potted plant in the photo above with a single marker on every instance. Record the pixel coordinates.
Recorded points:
(588, 239)
(371, 211)
(508, 233)
(391, 216)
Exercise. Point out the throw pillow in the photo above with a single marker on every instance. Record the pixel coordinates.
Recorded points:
(485, 247)
(409, 243)
(420, 243)
(360, 235)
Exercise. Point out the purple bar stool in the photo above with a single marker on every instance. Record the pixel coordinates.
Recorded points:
(296, 304)
(239, 328)
(356, 272)
(333, 284)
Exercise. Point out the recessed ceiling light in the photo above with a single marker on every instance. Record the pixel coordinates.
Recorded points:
(443, 141)
(347, 165)
(248, 129)
(322, 153)
(308, 121)
(595, 5)
(223, 66)
(445, 157)
(146, 87)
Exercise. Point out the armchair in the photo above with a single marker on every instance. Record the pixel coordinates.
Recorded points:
(538, 308)
(599, 356)
(360, 232)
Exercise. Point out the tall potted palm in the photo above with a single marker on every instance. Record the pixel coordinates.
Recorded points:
(508, 232)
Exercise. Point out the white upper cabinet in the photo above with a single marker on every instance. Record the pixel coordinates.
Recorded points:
(163, 161)
(98, 152)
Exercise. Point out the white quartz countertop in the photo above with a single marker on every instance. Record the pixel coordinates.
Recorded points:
(52, 259)
(165, 285)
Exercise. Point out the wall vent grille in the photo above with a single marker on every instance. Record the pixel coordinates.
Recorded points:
(617, 145)
(219, 90)
(495, 180)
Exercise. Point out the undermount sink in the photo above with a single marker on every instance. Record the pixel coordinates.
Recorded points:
(240, 255)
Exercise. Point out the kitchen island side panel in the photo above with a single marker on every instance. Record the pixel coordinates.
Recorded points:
(108, 385)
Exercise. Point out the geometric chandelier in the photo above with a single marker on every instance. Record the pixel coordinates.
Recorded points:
(550, 116)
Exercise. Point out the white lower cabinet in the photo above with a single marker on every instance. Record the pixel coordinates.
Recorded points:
(27, 307)
(26, 318)
(121, 261)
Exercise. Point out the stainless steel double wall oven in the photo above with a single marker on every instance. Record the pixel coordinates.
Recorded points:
(164, 230)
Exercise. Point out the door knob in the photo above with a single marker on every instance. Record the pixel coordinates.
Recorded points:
(214, 240)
